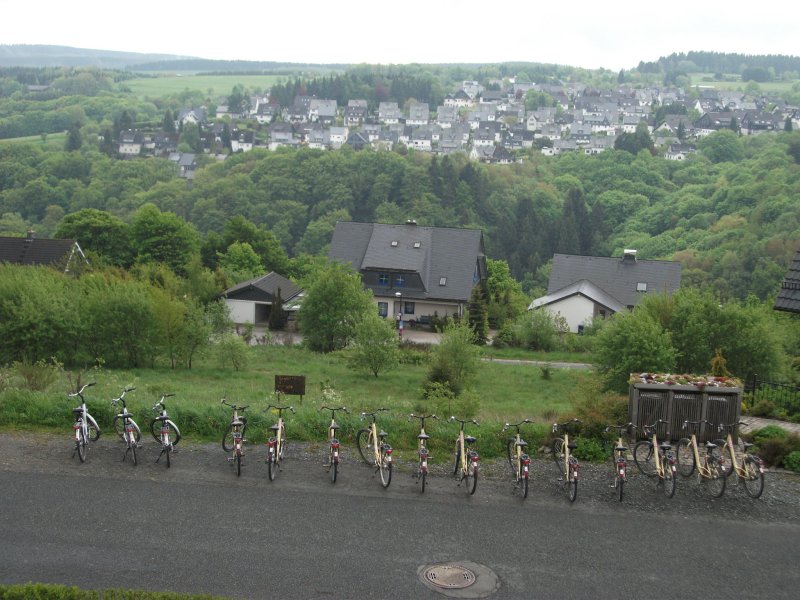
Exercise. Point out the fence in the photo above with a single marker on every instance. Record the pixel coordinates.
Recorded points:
(782, 395)
(678, 403)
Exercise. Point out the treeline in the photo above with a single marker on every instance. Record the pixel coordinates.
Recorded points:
(719, 62)
(729, 214)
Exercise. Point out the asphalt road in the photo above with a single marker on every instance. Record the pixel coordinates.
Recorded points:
(198, 528)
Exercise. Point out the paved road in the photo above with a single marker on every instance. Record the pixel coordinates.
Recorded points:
(197, 528)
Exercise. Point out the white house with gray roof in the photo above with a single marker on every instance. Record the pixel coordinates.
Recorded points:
(419, 271)
(584, 288)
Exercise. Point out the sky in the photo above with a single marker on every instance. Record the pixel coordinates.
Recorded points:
(591, 34)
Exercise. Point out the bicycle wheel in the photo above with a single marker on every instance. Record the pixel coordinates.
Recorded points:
(168, 452)
(644, 457)
(620, 487)
(282, 452)
(132, 447)
(471, 478)
(669, 478)
(685, 457)
(238, 465)
(364, 444)
(715, 483)
(573, 485)
(94, 430)
(81, 444)
(386, 470)
(557, 450)
(334, 466)
(511, 453)
(524, 486)
(174, 432)
(272, 466)
(754, 478)
(227, 439)
(723, 456)
(457, 464)
(423, 476)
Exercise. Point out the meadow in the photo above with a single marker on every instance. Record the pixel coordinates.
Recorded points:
(212, 85)
(502, 392)
(734, 82)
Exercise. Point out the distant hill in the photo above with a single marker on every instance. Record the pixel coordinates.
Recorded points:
(24, 55)
(254, 67)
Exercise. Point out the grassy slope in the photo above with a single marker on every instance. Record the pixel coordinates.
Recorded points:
(219, 85)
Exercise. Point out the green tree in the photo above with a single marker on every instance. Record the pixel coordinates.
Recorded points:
(168, 123)
(74, 139)
(335, 302)
(454, 360)
(375, 347)
(240, 262)
(478, 315)
(163, 237)
(722, 146)
(277, 316)
(101, 232)
(632, 342)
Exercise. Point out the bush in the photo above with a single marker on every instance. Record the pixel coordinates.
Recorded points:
(792, 461)
(769, 432)
(38, 376)
(536, 330)
(590, 449)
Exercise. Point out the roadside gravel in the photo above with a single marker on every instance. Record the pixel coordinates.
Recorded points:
(205, 463)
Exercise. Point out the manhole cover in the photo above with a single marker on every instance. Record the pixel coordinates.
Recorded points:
(450, 577)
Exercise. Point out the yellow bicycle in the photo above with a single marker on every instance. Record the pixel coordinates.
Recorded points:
(567, 464)
(373, 448)
(518, 459)
(709, 470)
(747, 467)
(466, 467)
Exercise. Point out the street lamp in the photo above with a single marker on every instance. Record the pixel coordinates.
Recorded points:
(399, 296)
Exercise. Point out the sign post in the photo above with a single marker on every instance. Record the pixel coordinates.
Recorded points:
(294, 385)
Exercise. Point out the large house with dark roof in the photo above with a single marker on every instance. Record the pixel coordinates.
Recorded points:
(31, 250)
(414, 271)
(251, 301)
(584, 288)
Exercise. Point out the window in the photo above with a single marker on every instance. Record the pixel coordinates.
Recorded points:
(400, 281)
(641, 287)
(417, 244)
(408, 308)
(394, 243)
(383, 309)
(383, 279)
(442, 280)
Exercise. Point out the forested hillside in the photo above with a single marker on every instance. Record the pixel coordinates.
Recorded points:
(731, 214)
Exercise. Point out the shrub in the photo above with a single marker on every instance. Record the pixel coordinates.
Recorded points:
(792, 461)
(768, 433)
(536, 330)
(589, 449)
(37, 376)
(232, 351)
(454, 361)
(763, 408)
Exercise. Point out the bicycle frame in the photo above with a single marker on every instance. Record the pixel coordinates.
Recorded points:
(703, 470)
(237, 427)
(275, 443)
(466, 457)
(333, 441)
(80, 426)
(736, 467)
(129, 426)
(167, 444)
(521, 459)
(569, 467)
(422, 449)
(619, 459)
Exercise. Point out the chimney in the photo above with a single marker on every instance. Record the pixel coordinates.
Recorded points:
(628, 255)
(31, 235)
(411, 222)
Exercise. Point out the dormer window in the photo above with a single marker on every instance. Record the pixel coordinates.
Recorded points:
(417, 244)
(442, 281)
(383, 279)
(400, 281)
(394, 243)
(641, 287)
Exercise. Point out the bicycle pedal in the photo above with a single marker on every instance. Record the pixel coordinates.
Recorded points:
(229, 459)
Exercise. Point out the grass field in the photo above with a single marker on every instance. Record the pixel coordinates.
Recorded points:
(706, 80)
(213, 85)
(54, 141)
(503, 392)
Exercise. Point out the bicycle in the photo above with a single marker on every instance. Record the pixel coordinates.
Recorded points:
(518, 459)
(233, 438)
(126, 428)
(84, 428)
(466, 458)
(168, 433)
(750, 471)
(656, 459)
(373, 448)
(333, 442)
(708, 468)
(276, 445)
(421, 474)
(619, 459)
(566, 463)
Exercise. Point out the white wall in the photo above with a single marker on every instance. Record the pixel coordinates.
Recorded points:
(420, 308)
(577, 310)
(241, 311)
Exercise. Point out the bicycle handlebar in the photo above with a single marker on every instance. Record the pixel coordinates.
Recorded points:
(464, 422)
(422, 417)
(687, 422)
(80, 391)
(557, 426)
(507, 426)
(161, 401)
(730, 426)
(620, 428)
(234, 406)
(333, 410)
(373, 414)
(280, 409)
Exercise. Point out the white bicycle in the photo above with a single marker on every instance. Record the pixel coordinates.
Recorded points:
(84, 428)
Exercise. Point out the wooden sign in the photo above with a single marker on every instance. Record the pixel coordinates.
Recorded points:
(294, 385)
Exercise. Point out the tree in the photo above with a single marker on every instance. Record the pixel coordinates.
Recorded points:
(168, 123)
(722, 146)
(681, 132)
(101, 232)
(632, 343)
(375, 347)
(787, 125)
(335, 303)
(478, 315)
(454, 361)
(240, 262)
(74, 138)
(163, 237)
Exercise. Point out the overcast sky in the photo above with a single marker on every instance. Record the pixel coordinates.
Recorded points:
(592, 34)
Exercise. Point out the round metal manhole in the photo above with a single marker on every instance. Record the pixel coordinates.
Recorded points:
(449, 577)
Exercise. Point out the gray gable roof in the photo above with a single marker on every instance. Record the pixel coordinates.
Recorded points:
(582, 288)
(789, 295)
(38, 251)
(432, 252)
(616, 276)
(264, 289)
